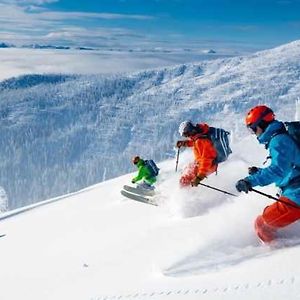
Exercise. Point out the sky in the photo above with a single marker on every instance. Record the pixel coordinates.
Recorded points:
(256, 24)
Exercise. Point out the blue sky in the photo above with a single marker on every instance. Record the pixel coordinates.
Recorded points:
(151, 23)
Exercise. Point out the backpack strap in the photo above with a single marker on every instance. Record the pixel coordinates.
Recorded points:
(278, 132)
(283, 130)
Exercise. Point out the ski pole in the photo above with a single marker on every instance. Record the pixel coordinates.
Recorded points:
(177, 159)
(274, 198)
(252, 190)
(219, 190)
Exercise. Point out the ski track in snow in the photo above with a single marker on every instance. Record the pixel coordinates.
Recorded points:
(212, 260)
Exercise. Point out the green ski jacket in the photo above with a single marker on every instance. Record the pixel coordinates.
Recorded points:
(144, 173)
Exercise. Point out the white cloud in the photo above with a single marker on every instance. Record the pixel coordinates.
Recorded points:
(15, 9)
(28, 19)
(57, 15)
(92, 33)
(28, 2)
(244, 27)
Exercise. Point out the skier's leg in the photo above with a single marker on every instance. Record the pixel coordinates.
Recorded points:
(141, 185)
(265, 232)
(189, 174)
(280, 214)
(275, 216)
(146, 185)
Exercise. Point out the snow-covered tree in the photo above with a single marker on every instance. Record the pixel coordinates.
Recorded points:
(297, 109)
(3, 200)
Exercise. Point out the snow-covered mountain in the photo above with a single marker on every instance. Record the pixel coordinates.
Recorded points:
(60, 133)
(5, 45)
(209, 51)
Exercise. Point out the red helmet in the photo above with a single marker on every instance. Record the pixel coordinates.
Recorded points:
(136, 159)
(258, 114)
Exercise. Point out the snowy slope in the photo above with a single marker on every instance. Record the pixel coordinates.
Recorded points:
(198, 244)
(60, 133)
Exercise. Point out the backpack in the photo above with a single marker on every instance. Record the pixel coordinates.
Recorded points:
(152, 167)
(293, 130)
(220, 140)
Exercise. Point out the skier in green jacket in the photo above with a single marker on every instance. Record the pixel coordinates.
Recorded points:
(144, 172)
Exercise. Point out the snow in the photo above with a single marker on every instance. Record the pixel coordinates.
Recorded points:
(96, 244)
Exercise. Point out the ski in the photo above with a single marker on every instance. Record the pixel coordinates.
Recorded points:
(139, 191)
(2, 235)
(138, 198)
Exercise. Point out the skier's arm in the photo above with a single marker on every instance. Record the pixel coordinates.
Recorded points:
(184, 143)
(189, 143)
(275, 172)
(141, 174)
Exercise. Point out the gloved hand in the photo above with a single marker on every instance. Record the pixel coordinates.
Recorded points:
(243, 186)
(197, 180)
(133, 181)
(252, 170)
(181, 144)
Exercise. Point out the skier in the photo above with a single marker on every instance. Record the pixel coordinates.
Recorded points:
(284, 171)
(204, 152)
(146, 171)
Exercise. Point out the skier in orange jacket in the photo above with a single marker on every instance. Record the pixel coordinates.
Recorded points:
(204, 152)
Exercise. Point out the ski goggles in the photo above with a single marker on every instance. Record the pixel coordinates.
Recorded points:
(252, 128)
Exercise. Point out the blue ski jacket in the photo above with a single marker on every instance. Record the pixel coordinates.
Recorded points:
(284, 169)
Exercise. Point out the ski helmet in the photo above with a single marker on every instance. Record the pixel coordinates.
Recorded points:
(186, 128)
(136, 159)
(259, 115)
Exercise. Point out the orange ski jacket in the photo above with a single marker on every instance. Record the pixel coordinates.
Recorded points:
(204, 152)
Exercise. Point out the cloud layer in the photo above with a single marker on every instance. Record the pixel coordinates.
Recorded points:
(30, 21)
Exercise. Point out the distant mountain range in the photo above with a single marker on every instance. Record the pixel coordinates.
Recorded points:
(4, 45)
(38, 46)
(60, 47)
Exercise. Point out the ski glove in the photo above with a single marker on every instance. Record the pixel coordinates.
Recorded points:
(181, 144)
(197, 180)
(243, 186)
(252, 170)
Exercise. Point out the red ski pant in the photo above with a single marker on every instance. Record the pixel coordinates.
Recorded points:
(275, 216)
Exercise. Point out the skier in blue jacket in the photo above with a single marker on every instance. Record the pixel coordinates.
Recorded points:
(284, 171)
